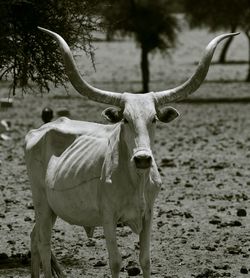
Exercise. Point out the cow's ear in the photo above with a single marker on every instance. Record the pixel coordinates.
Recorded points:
(112, 114)
(167, 114)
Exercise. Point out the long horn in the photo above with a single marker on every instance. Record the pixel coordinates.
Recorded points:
(83, 87)
(194, 82)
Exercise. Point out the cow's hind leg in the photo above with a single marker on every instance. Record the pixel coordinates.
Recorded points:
(55, 266)
(45, 220)
(41, 240)
(36, 260)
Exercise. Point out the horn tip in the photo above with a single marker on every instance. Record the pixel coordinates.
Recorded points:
(45, 30)
(41, 28)
(234, 34)
(230, 35)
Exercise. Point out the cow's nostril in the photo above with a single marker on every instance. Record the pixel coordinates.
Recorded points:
(142, 162)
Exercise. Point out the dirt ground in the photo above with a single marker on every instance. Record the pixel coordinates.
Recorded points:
(202, 215)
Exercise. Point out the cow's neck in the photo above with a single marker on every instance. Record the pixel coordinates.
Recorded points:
(137, 178)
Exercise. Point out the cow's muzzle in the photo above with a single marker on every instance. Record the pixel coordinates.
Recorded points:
(142, 158)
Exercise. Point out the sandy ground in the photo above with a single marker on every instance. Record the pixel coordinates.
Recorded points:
(201, 220)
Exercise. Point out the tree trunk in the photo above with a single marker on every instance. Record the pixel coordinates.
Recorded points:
(109, 35)
(145, 69)
(248, 74)
(222, 58)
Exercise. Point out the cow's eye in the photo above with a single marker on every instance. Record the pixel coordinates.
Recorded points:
(154, 120)
(125, 121)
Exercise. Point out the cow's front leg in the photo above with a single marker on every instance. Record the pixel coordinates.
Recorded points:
(114, 255)
(145, 245)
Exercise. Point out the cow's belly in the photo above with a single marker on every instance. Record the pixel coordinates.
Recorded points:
(72, 182)
(77, 205)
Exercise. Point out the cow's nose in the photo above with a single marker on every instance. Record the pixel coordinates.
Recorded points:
(143, 161)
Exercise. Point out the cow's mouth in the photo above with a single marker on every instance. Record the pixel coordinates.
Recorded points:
(142, 159)
(143, 162)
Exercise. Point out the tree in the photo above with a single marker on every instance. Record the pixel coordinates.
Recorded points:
(220, 15)
(151, 24)
(26, 54)
(246, 26)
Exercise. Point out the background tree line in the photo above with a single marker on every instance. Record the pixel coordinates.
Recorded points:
(230, 16)
(28, 57)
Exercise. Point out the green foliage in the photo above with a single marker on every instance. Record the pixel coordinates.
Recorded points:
(27, 54)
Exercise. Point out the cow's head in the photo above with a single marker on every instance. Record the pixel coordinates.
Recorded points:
(138, 112)
(138, 117)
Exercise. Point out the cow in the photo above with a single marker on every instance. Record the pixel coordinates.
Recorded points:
(92, 174)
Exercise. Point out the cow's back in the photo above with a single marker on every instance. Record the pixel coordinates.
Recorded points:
(51, 140)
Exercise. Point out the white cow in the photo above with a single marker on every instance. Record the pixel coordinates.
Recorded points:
(92, 174)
